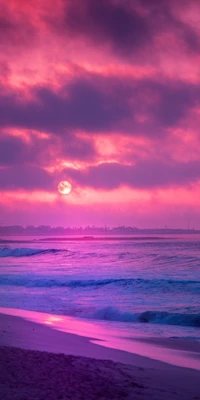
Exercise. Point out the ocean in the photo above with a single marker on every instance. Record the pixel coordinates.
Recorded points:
(147, 285)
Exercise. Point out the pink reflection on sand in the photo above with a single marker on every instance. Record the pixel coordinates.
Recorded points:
(116, 337)
(51, 320)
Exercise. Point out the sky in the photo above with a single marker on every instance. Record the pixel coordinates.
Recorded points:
(106, 95)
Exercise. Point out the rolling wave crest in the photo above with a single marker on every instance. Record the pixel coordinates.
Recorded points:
(131, 284)
(25, 252)
(155, 317)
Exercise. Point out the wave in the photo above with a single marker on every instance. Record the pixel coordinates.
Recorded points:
(131, 284)
(29, 281)
(25, 252)
(155, 317)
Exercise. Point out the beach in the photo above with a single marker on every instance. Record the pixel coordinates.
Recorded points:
(99, 200)
(100, 319)
(38, 362)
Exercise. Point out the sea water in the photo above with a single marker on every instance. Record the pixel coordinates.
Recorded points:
(148, 285)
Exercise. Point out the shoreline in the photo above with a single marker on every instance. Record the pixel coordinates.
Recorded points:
(173, 343)
(40, 362)
(27, 329)
(18, 332)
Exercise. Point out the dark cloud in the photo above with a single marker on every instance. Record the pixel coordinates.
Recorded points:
(172, 102)
(163, 16)
(7, 27)
(4, 70)
(107, 22)
(14, 150)
(148, 174)
(97, 104)
(16, 31)
(17, 151)
(28, 178)
(143, 175)
(128, 27)
(80, 105)
(78, 148)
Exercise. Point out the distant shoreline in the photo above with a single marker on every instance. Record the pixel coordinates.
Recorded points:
(27, 238)
(90, 238)
(83, 238)
(122, 231)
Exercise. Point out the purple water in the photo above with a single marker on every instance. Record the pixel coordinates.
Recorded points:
(149, 285)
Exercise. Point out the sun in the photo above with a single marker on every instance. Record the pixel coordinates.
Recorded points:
(64, 187)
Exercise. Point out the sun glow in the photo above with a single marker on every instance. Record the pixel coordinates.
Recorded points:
(64, 187)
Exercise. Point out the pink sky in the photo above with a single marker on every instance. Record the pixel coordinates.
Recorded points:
(106, 95)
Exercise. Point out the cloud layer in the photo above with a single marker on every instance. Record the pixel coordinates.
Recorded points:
(104, 94)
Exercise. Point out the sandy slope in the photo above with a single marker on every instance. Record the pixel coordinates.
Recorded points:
(31, 374)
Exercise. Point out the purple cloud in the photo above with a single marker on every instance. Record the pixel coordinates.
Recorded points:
(80, 105)
(162, 16)
(29, 178)
(127, 27)
(14, 150)
(143, 175)
(107, 22)
(97, 104)
(16, 31)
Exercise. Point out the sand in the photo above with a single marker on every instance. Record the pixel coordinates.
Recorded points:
(69, 366)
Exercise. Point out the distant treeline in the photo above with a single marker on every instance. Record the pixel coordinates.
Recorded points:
(43, 230)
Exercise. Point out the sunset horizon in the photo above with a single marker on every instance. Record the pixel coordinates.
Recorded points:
(103, 95)
(100, 199)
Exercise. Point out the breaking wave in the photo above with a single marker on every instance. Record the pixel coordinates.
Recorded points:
(155, 317)
(25, 252)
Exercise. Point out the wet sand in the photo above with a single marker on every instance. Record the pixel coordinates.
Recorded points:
(38, 362)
